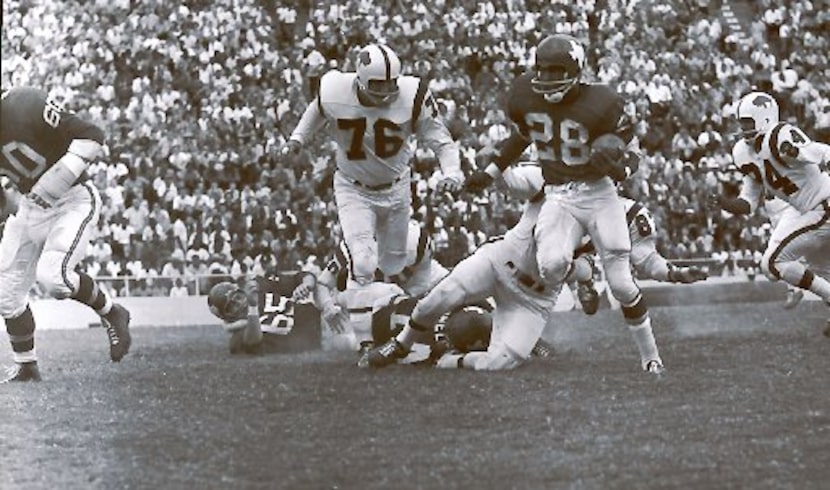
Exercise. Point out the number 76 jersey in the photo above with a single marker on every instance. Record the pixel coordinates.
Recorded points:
(784, 162)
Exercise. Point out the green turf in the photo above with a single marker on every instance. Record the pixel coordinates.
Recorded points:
(744, 405)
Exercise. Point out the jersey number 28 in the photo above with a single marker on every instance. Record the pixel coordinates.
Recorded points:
(565, 141)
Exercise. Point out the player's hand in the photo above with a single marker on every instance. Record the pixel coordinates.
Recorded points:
(334, 317)
(448, 184)
(687, 275)
(304, 292)
(291, 148)
(478, 181)
(610, 161)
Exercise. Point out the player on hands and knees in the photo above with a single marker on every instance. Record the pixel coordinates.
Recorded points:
(567, 120)
(45, 154)
(778, 158)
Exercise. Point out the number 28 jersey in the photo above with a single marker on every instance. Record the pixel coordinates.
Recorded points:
(563, 131)
(782, 163)
(35, 133)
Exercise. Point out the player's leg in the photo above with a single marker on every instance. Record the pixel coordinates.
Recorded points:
(65, 246)
(358, 222)
(393, 231)
(18, 257)
(808, 236)
(518, 323)
(609, 230)
(470, 281)
(557, 234)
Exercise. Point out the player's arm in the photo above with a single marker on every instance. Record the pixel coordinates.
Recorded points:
(747, 201)
(431, 129)
(87, 146)
(312, 120)
(619, 165)
(9, 198)
(791, 146)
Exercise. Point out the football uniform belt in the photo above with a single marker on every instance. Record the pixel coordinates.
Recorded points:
(525, 279)
(378, 187)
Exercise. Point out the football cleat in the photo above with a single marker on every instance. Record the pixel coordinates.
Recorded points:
(24, 371)
(588, 296)
(794, 296)
(655, 367)
(365, 346)
(117, 323)
(379, 357)
(542, 349)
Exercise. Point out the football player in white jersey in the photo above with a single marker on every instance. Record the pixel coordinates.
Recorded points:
(505, 269)
(348, 310)
(51, 207)
(375, 115)
(778, 158)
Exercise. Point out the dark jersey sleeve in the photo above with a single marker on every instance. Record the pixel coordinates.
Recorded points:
(35, 133)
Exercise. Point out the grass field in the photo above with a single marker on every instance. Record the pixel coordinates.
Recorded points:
(745, 404)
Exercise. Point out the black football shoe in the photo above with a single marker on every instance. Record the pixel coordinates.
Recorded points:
(22, 371)
(117, 323)
(389, 353)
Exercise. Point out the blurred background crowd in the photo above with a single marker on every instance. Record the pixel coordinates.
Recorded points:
(197, 96)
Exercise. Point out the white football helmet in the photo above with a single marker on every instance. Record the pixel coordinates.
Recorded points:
(378, 69)
(757, 112)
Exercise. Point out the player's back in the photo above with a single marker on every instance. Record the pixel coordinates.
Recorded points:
(374, 143)
(563, 131)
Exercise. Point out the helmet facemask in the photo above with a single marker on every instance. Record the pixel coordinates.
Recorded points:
(378, 69)
(553, 82)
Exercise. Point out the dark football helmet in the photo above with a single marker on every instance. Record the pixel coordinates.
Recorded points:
(560, 59)
(468, 329)
(228, 302)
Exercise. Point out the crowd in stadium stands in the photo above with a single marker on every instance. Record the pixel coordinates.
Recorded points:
(197, 97)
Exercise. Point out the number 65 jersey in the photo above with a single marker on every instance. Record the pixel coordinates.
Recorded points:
(35, 132)
(785, 162)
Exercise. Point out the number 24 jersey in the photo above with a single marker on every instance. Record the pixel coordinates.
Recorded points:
(782, 163)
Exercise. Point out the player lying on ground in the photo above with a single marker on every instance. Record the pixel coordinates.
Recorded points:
(261, 316)
(49, 207)
(778, 158)
(505, 269)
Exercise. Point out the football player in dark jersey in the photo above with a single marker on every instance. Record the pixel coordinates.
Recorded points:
(262, 317)
(44, 153)
(566, 119)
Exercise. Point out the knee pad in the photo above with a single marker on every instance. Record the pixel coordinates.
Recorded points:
(554, 269)
(618, 274)
(364, 264)
(52, 275)
(443, 298)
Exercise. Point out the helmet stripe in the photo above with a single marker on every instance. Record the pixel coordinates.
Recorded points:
(386, 60)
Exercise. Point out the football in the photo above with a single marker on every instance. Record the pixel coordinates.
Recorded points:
(608, 141)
